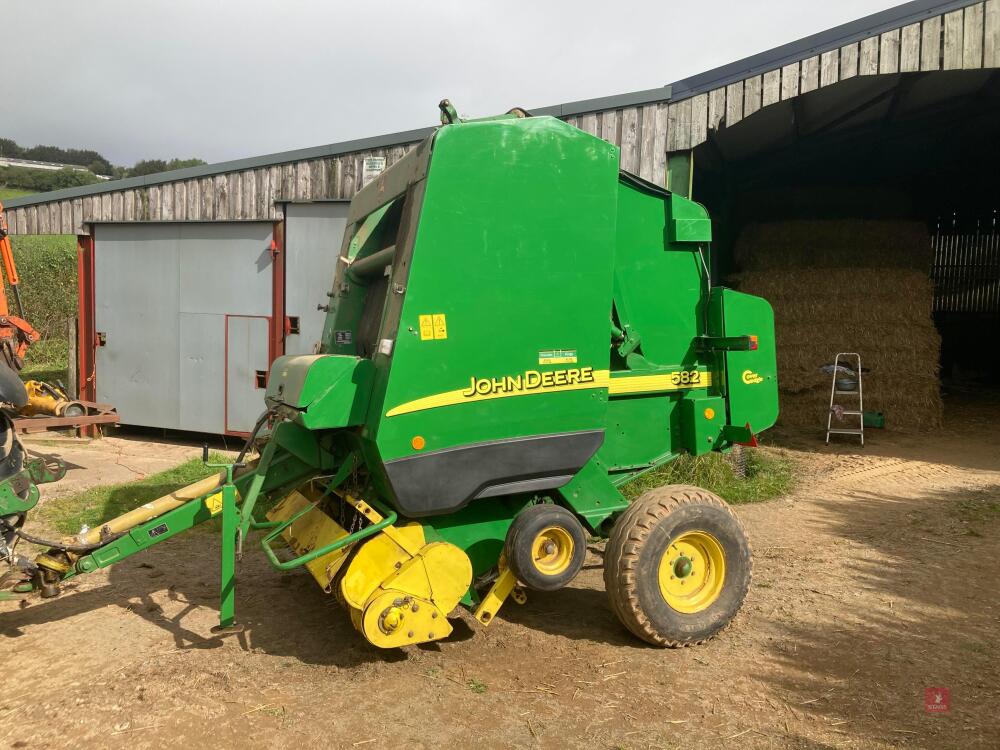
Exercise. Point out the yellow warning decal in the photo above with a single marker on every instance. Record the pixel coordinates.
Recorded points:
(433, 327)
(557, 357)
(576, 379)
(214, 503)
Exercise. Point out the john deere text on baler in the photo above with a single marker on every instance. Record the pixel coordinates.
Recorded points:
(516, 329)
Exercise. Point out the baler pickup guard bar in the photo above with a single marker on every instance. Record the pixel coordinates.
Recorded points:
(388, 518)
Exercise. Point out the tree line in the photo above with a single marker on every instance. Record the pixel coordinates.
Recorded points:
(95, 164)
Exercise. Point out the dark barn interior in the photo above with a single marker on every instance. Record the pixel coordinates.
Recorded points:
(838, 202)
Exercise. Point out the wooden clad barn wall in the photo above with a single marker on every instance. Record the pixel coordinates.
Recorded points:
(245, 195)
(967, 38)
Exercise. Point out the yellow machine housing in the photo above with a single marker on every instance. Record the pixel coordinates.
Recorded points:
(47, 399)
(398, 588)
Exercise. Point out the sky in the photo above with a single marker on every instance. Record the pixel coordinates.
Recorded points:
(226, 79)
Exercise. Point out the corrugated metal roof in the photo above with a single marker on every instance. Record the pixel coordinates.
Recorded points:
(900, 15)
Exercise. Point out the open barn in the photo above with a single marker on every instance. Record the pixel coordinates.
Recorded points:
(850, 176)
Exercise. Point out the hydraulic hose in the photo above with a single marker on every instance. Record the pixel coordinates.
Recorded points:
(79, 549)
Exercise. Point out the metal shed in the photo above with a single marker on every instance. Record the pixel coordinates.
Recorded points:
(181, 320)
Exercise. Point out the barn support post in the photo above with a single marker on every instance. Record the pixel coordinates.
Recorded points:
(86, 334)
(72, 370)
(279, 322)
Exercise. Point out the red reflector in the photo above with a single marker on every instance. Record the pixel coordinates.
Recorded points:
(753, 343)
(753, 438)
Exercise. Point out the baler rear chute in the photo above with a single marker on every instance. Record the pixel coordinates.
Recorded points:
(515, 330)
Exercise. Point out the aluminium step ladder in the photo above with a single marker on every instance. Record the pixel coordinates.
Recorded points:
(859, 412)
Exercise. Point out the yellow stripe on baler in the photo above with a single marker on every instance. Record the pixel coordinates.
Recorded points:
(617, 384)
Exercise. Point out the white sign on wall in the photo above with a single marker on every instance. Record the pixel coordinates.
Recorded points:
(373, 166)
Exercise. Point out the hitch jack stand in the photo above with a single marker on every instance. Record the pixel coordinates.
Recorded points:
(230, 527)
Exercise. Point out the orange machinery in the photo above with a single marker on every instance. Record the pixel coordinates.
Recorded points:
(39, 406)
(16, 334)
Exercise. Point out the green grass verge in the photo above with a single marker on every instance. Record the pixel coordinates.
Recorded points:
(767, 476)
(99, 504)
(47, 266)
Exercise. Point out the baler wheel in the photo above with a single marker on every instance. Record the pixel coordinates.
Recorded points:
(545, 547)
(677, 566)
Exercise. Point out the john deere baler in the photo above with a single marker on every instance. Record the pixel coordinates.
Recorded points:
(516, 329)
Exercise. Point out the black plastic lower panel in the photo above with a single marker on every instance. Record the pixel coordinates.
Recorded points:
(442, 482)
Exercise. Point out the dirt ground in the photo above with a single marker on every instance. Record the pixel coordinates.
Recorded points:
(875, 580)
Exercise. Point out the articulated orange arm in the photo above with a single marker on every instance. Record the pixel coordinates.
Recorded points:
(9, 267)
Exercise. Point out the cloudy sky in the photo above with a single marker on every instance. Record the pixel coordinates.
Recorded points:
(224, 79)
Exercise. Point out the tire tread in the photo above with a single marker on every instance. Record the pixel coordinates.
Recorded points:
(621, 556)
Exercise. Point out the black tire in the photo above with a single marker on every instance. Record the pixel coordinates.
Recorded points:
(552, 526)
(637, 549)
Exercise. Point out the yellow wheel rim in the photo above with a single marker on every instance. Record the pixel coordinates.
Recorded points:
(552, 550)
(692, 572)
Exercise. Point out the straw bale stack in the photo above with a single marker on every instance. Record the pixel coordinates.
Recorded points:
(848, 286)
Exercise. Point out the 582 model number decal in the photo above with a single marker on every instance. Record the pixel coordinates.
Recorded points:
(686, 377)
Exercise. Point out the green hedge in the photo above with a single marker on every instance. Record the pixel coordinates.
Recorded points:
(47, 267)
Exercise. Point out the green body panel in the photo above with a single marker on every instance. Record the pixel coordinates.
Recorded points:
(703, 421)
(323, 391)
(659, 285)
(593, 496)
(751, 377)
(640, 430)
(19, 493)
(644, 428)
(512, 247)
(688, 222)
